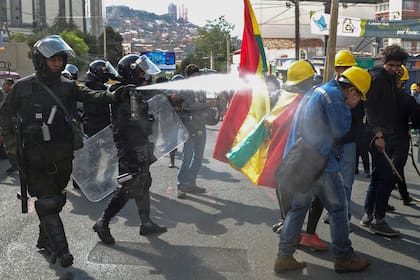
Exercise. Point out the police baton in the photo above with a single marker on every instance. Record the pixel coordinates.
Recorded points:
(393, 167)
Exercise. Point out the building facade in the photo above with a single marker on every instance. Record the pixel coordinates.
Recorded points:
(27, 16)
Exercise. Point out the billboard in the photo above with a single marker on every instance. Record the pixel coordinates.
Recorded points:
(164, 60)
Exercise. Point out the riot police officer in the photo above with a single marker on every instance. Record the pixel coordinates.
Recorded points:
(47, 156)
(97, 116)
(131, 127)
(73, 70)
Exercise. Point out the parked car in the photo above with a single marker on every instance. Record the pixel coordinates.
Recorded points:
(5, 72)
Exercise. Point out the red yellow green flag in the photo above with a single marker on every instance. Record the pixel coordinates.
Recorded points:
(259, 154)
(247, 107)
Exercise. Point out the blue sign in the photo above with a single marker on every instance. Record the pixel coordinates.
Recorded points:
(164, 60)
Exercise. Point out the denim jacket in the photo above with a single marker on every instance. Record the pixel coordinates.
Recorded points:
(326, 117)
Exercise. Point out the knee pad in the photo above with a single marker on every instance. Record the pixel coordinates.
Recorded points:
(50, 204)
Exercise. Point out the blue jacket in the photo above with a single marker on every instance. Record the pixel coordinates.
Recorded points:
(326, 117)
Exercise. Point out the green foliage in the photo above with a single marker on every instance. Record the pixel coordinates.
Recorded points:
(212, 43)
(18, 37)
(113, 45)
(79, 46)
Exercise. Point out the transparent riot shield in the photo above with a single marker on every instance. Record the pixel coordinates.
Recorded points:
(168, 130)
(95, 167)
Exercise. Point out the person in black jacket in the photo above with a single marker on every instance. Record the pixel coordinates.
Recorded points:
(131, 127)
(408, 112)
(382, 116)
(97, 116)
(37, 102)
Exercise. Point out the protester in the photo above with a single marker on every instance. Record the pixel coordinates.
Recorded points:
(408, 112)
(326, 116)
(34, 102)
(345, 147)
(388, 138)
(193, 115)
(300, 79)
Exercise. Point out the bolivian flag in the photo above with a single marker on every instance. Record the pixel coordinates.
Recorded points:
(247, 107)
(259, 155)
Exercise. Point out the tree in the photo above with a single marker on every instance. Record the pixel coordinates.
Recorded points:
(113, 45)
(80, 48)
(211, 43)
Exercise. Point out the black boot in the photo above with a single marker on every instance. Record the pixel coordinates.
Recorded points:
(147, 226)
(55, 231)
(101, 227)
(43, 242)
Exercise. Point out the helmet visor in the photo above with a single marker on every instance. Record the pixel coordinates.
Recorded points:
(146, 65)
(110, 69)
(52, 45)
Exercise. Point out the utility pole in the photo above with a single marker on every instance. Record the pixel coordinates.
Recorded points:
(228, 53)
(297, 30)
(332, 41)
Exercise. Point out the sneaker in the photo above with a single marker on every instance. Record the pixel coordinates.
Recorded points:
(408, 201)
(313, 242)
(284, 264)
(389, 208)
(103, 232)
(383, 228)
(352, 264)
(171, 165)
(326, 218)
(181, 194)
(366, 220)
(193, 189)
(12, 169)
(277, 227)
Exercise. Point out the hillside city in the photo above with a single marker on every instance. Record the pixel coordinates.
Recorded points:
(144, 31)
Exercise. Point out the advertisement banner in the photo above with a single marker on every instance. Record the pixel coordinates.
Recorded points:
(356, 27)
(164, 60)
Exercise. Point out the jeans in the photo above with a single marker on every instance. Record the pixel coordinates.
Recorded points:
(192, 158)
(382, 180)
(348, 167)
(330, 190)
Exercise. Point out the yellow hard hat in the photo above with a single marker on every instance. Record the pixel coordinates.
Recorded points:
(344, 58)
(358, 77)
(404, 76)
(413, 86)
(298, 72)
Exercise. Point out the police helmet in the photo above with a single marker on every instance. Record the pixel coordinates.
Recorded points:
(73, 70)
(102, 70)
(130, 66)
(48, 47)
(177, 77)
(66, 74)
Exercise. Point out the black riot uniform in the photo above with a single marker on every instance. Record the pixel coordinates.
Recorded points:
(135, 152)
(97, 116)
(48, 157)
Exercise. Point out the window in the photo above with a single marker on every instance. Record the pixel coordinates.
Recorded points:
(407, 45)
(408, 5)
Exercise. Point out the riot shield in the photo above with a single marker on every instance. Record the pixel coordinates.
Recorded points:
(95, 167)
(168, 130)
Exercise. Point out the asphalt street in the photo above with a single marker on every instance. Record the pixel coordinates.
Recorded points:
(222, 234)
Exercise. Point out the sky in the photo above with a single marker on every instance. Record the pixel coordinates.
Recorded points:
(198, 10)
